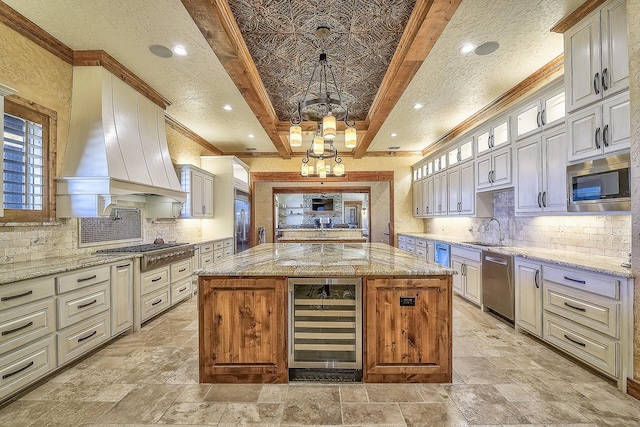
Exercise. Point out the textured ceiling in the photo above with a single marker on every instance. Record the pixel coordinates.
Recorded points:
(281, 37)
(452, 87)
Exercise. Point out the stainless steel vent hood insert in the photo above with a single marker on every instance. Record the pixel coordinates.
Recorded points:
(117, 150)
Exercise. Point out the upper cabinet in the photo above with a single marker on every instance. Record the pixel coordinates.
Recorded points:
(542, 112)
(494, 136)
(596, 56)
(199, 187)
(460, 152)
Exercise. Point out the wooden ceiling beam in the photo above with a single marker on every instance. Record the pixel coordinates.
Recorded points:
(218, 26)
(426, 24)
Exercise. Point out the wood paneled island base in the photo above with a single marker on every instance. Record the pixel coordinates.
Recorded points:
(406, 312)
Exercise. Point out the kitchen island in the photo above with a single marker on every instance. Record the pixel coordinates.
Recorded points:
(246, 314)
(321, 235)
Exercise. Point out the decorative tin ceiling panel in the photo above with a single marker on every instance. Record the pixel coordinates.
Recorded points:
(280, 35)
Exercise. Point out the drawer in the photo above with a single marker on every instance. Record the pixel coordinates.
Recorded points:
(592, 348)
(26, 323)
(218, 244)
(82, 304)
(587, 309)
(421, 252)
(180, 291)
(601, 284)
(154, 279)
(467, 253)
(154, 303)
(218, 255)
(22, 367)
(180, 270)
(228, 252)
(421, 242)
(206, 260)
(402, 245)
(402, 238)
(228, 243)
(82, 337)
(26, 291)
(411, 248)
(411, 240)
(206, 248)
(82, 278)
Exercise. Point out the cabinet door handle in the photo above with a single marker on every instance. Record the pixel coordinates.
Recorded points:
(543, 116)
(157, 302)
(574, 307)
(88, 336)
(492, 141)
(605, 133)
(123, 265)
(539, 199)
(575, 280)
(19, 328)
(182, 289)
(459, 156)
(182, 270)
(538, 122)
(17, 371)
(10, 297)
(596, 81)
(544, 199)
(536, 279)
(87, 304)
(86, 278)
(605, 74)
(581, 344)
(597, 138)
(156, 279)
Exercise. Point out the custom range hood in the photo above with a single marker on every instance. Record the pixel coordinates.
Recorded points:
(117, 150)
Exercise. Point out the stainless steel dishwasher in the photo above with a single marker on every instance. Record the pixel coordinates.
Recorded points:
(498, 284)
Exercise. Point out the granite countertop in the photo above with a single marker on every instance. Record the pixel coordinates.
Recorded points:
(595, 263)
(14, 272)
(332, 229)
(324, 259)
(202, 240)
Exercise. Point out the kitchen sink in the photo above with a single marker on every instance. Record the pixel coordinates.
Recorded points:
(489, 245)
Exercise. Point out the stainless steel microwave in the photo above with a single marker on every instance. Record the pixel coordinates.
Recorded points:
(600, 185)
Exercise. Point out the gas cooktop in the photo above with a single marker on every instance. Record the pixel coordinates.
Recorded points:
(147, 247)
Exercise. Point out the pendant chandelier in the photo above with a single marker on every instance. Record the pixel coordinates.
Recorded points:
(322, 102)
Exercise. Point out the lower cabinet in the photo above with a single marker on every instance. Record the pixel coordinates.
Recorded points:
(407, 334)
(243, 330)
(23, 366)
(163, 287)
(468, 282)
(121, 297)
(528, 296)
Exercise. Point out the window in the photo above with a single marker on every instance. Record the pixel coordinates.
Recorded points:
(26, 161)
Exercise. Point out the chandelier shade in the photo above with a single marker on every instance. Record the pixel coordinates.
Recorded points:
(295, 136)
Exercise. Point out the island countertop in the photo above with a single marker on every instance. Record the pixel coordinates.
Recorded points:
(324, 259)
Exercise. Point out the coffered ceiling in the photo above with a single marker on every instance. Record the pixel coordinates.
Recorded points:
(257, 55)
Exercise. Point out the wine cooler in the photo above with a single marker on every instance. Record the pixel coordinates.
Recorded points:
(325, 329)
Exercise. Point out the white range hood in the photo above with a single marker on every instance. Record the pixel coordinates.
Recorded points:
(116, 150)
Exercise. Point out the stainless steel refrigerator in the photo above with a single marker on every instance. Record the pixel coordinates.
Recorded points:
(242, 221)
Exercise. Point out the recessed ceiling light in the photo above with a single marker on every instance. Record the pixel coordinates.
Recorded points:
(467, 48)
(394, 134)
(161, 51)
(180, 50)
(417, 106)
(251, 135)
(228, 107)
(487, 48)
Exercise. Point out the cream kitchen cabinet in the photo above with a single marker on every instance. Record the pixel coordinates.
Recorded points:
(494, 170)
(27, 339)
(467, 263)
(427, 197)
(460, 152)
(163, 287)
(417, 190)
(541, 112)
(462, 192)
(440, 195)
(198, 184)
(540, 164)
(528, 296)
(121, 297)
(597, 56)
(493, 136)
(601, 129)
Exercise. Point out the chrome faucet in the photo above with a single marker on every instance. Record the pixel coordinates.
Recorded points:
(486, 228)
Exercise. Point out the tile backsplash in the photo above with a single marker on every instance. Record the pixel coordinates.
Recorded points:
(608, 235)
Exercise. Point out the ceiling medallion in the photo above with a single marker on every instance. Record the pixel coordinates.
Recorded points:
(325, 107)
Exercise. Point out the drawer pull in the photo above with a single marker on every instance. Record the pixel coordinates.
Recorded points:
(157, 302)
(182, 270)
(5, 376)
(183, 289)
(123, 265)
(207, 261)
(581, 344)
(88, 336)
(16, 296)
(88, 304)
(575, 280)
(10, 331)
(86, 278)
(156, 279)
(574, 307)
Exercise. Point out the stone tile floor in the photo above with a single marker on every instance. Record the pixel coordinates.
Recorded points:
(150, 377)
